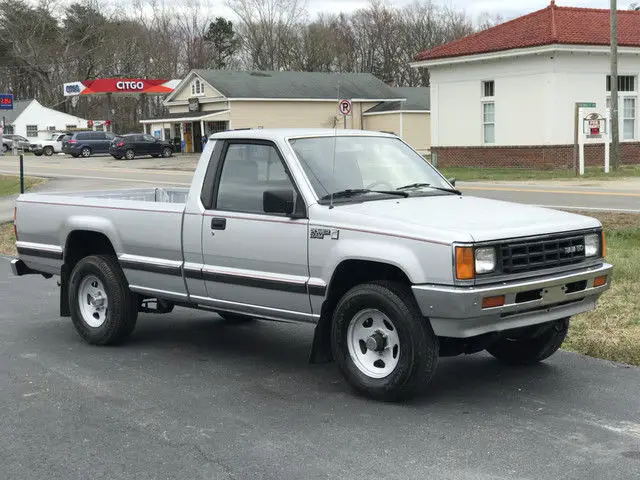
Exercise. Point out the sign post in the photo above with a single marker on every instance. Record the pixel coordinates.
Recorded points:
(6, 103)
(594, 127)
(345, 106)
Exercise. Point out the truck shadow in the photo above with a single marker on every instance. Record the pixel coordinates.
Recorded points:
(285, 348)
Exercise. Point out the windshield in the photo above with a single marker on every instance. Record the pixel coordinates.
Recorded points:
(367, 162)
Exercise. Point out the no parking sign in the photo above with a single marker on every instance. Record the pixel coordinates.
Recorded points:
(344, 106)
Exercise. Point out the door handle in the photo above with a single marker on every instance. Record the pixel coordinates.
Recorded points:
(218, 223)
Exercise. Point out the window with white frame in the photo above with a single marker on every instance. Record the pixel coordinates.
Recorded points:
(32, 131)
(628, 118)
(627, 106)
(626, 83)
(489, 122)
(488, 89)
(197, 87)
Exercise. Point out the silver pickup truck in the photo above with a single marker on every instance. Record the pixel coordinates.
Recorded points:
(351, 231)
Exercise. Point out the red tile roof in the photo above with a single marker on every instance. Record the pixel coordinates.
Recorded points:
(551, 25)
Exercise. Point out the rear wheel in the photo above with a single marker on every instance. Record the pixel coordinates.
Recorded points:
(167, 152)
(103, 309)
(48, 151)
(85, 152)
(535, 347)
(129, 154)
(382, 344)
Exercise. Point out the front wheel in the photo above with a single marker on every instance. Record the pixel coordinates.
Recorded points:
(535, 347)
(48, 151)
(103, 309)
(129, 154)
(167, 152)
(37, 153)
(382, 344)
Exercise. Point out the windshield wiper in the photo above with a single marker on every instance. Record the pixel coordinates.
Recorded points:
(424, 185)
(352, 192)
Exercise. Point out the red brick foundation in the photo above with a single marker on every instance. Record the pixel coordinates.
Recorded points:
(538, 157)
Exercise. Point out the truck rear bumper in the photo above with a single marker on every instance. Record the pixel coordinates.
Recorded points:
(19, 268)
(458, 311)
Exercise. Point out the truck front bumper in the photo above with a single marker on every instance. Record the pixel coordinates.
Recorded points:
(458, 312)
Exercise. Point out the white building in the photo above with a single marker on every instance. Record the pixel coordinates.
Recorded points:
(32, 120)
(507, 96)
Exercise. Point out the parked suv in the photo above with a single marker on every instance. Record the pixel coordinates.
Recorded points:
(136, 144)
(87, 143)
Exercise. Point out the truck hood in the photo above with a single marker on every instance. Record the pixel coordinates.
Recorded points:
(454, 218)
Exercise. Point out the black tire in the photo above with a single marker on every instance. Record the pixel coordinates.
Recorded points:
(5, 148)
(74, 155)
(85, 152)
(167, 152)
(235, 318)
(48, 151)
(38, 153)
(418, 355)
(117, 157)
(122, 311)
(129, 154)
(530, 350)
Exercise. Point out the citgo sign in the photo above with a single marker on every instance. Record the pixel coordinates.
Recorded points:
(119, 85)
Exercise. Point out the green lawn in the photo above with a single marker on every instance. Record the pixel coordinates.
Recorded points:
(469, 174)
(10, 185)
(612, 331)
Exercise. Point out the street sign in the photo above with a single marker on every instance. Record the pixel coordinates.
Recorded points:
(586, 105)
(6, 101)
(345, 107)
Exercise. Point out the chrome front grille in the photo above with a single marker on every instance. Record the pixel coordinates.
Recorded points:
(530, 255)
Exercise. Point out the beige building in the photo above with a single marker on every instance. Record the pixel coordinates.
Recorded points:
(209, 101)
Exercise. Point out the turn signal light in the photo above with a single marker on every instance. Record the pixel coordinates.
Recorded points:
(600, 281)
(493, 302)
(464, 263)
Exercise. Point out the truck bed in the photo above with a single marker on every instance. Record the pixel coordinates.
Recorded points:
(143, 225)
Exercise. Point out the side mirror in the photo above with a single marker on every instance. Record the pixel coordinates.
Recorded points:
(278, 201)
(452, 181)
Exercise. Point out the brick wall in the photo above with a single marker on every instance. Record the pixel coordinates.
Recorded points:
(539, 157)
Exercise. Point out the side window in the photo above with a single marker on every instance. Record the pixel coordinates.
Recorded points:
(110, 135)
(82, 136)
(247, 172)
(149, 138)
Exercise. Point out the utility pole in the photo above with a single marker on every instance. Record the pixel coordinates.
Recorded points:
(615, 116)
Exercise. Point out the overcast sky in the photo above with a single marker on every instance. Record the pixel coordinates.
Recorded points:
(506, 8)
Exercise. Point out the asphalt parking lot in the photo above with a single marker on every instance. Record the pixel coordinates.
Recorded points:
(190, 397)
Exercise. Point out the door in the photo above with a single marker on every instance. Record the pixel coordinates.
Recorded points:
(255, 261)
(150, 145)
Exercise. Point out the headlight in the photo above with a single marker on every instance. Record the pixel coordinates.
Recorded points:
(592, 245)
(485, 260)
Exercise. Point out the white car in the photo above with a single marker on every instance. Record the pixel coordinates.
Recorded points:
(52, 144)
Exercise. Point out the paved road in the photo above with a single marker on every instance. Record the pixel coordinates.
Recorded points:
(106, 172)
(190, 397)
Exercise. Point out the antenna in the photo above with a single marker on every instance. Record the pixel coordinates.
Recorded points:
(335, 141)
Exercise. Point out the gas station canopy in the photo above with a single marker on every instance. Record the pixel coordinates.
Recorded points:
(136, 86)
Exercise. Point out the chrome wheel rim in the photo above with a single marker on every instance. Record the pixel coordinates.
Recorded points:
(129, 154)
(166, 153)
(373, 343)
(86, 152)
(93, 301)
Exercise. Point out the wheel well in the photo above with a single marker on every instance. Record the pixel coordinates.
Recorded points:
(347, 275)
(80, 244)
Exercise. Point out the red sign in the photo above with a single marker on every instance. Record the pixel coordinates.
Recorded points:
(119, 85)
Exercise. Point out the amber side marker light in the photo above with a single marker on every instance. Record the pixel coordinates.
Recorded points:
(493, 302)
(464, 263)
(603, 244)
(600, 281)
